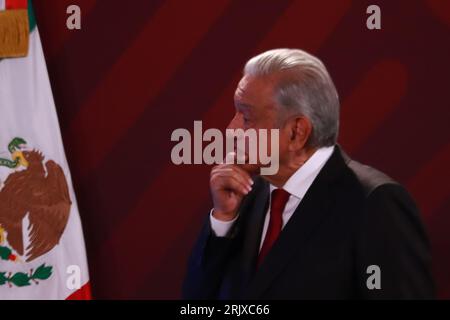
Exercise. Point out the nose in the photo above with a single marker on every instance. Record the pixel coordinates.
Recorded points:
(236, 122)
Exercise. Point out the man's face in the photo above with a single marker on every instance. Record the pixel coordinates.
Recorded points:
(254, 103)
(256, 108)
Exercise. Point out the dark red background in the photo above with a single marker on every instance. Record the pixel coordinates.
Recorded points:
(140, 69)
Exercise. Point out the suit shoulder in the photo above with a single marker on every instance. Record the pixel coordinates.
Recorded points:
(369, 178)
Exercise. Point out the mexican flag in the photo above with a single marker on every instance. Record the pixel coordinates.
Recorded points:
(42, 251)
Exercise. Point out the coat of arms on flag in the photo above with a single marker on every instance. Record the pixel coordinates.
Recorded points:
(38, 193)
(41, 235)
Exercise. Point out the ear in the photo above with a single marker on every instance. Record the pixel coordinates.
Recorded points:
(300, 130)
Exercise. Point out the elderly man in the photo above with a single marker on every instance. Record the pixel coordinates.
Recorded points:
(324, 226)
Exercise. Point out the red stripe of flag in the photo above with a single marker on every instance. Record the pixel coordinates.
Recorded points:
(16, 4)
(84, 293)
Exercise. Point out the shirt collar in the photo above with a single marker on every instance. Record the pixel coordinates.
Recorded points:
(299, 183)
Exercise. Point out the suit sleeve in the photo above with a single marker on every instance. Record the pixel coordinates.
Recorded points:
(207, 264)
(391, 237)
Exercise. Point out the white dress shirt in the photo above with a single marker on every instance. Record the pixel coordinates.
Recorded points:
(297, 186)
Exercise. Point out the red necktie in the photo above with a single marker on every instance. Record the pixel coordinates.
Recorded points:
(277, 203)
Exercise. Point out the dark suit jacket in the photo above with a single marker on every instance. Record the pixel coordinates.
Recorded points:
(352, 216)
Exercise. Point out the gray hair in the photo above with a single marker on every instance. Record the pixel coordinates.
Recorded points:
(308, 90)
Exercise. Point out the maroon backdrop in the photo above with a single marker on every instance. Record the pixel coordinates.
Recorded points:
(140, 69)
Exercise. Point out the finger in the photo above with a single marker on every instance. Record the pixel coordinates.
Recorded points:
(237, 172)
(230, 158)
(235, 167)
(242, 173)
(226, 181)
(225, 177)
(237, 158)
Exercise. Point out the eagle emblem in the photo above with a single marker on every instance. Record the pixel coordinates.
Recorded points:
(34, 209)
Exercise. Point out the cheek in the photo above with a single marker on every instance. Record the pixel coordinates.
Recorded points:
(280, 144)
(283, 143)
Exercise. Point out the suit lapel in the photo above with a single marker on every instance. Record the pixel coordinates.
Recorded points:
(308, 216)
(253, 228)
